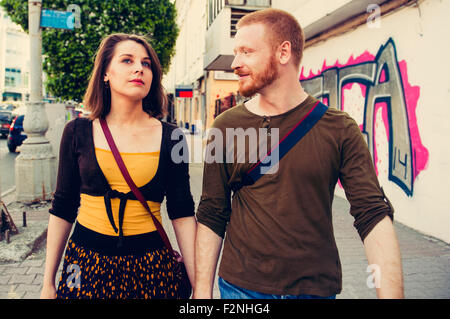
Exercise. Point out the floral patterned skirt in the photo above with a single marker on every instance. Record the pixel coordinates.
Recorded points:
(94, 268)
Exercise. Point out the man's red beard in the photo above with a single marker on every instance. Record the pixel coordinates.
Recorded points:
(259, 81)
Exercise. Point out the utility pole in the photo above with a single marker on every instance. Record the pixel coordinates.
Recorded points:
(36, 164)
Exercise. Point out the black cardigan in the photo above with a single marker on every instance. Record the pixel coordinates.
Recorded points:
(79, 172)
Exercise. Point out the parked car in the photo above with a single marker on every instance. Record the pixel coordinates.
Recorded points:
(6, 107)
(80, 112)
(16, 134)
(5, 122)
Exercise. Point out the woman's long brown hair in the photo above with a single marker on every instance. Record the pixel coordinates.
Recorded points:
(98, 96)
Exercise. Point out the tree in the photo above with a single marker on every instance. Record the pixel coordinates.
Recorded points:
(69, 54)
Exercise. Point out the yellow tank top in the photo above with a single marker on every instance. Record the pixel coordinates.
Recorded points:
(137, 220)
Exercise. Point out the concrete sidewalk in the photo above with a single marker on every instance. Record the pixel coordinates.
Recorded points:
(21, 271)
(426, 261)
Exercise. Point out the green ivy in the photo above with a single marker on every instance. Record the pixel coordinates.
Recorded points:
(68, 55)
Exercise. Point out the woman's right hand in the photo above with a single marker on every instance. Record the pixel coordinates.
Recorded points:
(58, 231)
(48, 292)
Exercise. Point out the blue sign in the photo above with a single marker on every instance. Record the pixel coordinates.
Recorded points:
(57, 19)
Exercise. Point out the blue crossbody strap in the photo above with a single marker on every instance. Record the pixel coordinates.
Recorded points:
(286, 143)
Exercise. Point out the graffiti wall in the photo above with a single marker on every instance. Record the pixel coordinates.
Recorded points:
(375, 91)
(393, 80)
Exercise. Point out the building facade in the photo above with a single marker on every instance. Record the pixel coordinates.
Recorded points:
(200, 78)
(185, 80)
(14, 61)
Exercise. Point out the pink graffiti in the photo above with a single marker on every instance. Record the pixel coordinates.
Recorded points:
(366, 56)
(412, 93)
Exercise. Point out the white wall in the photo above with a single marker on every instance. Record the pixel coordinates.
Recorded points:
(58, 115)
(420, 40)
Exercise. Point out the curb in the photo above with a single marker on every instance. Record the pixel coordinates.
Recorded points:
(35, 245)
(23, 244)
(8, 196)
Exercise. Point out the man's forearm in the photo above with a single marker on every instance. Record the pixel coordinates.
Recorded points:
(207, 250)
(185, 232)
(383, 253)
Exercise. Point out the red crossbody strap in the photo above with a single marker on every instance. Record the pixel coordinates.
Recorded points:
(132, 185)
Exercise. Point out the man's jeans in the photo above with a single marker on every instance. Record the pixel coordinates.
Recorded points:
(230, 291)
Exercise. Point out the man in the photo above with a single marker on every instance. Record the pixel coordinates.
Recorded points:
(279, 235)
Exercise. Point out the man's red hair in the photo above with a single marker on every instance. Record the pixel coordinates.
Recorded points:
(282, 26)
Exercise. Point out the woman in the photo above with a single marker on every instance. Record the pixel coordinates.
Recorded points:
(125, 89)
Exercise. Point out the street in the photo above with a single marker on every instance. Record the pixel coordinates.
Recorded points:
(7, 164)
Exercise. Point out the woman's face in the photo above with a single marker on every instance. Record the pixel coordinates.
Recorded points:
(129, 73)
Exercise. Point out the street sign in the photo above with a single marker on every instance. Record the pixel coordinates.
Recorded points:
(184, 91)
(57, 19)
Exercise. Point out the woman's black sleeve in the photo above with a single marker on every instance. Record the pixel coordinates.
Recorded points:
(66, 199)
(178, 193)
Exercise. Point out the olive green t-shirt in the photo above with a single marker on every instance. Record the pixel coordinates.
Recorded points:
(279, 233)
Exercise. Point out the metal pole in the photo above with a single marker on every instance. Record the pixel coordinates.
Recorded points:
(36, 164)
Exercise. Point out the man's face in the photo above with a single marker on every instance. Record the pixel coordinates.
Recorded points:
(254, 60)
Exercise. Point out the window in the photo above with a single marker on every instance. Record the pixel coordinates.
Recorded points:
(12, 77)
(258, 3)
(210, 12)
(214, 8)
(250, 3)
(236, 2)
